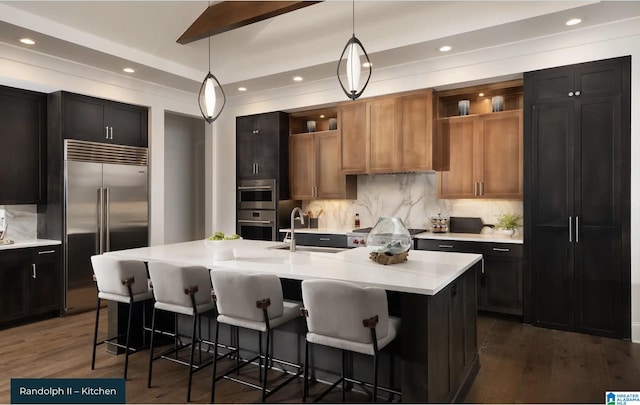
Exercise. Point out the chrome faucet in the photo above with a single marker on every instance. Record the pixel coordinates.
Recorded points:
(292, 248)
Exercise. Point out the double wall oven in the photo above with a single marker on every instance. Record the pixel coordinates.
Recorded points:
(257, 214)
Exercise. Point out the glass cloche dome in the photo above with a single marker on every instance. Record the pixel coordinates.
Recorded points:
(389, 235)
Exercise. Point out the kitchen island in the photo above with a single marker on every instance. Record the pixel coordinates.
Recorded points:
(434, 294)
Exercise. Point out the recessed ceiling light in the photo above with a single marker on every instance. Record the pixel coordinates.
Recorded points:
(129, 70)
(445, 48)
(242, 89)
(27, 41)
(322, 116)
(297, 79)
(367, 64)
(481, 95)
(574, 21)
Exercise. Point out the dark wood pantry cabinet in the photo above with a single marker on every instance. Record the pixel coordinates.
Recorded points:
(23, 130)
(262, 149)
(577, 197)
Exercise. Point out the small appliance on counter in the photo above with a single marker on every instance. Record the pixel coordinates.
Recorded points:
(439, 224)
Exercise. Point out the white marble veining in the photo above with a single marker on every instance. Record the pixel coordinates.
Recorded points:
(22, 222)
(410, 196)
(423, 273)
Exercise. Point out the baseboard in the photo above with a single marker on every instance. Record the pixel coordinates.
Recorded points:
(635, 332)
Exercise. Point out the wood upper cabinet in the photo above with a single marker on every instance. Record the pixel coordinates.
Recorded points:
(314, 159)
(383, 140)
(352, 121)
(390, 134)
(485, 156)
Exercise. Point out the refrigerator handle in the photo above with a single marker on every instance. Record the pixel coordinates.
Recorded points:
(107, 210)
(99, 239)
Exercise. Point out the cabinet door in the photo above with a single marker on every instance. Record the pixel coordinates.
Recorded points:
(302, 166)
(502, 155)
(330, 182)
(14, 284)
(266, 154)
(598, 215)
(383, 139)
(22, 147)
(45, 280)
(84, 118)
(598, 79)
(501, 285)
(461, 179)
(128, 123)
(416, 151)
(353, 138)
(245, 163)
(551, 192)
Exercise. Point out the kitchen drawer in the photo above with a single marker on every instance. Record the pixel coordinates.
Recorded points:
(447, 245)
(324, 240)
(501, 249)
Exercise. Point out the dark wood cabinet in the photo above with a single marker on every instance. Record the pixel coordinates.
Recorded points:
(577, 197)
(23, 124)
(500, 282)
(323, 240)
(262, 149)
(29, 283)
(97, 120)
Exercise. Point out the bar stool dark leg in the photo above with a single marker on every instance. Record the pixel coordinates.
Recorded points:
(126, 349)
(266, 362)
(193, 350)
(375, 377)
(153, 330)
(260, 362)
(344, 382)
(305, 383)
(237, 350)
(95, 336)
(215, 364)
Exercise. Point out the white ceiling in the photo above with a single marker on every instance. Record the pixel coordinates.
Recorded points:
(307, 42)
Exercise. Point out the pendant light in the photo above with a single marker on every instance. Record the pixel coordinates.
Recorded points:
(351, 68)
(208, 100)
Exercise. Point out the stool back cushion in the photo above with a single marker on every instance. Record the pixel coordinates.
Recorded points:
(110, 272)
(337, 309)
(237, 293)
(170, 280)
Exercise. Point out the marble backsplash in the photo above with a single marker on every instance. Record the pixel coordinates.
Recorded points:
(22, 222)
(410, 196)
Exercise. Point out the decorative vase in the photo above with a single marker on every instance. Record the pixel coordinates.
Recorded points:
(389, 235)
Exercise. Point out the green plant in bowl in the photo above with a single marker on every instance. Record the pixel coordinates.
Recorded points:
(509, 222)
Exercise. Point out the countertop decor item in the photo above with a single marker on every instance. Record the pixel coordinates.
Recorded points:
(389, 235)
(207, 97)
(352, 67)
(509, 223)
(439, 224)
(388, 258)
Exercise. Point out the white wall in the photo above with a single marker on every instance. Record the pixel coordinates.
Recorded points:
(184, 178)
(599, 42)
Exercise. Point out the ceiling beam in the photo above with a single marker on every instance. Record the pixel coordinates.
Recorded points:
(229, 15)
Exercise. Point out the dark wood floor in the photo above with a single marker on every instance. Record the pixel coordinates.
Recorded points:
(519, 364)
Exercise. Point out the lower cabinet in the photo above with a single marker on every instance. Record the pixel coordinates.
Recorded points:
(321, 239)
(29, 283)
(500, 282)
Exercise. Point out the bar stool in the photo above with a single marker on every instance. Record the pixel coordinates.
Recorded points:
(120, 281)
(184, 290)
(349, 317)
(255, 302)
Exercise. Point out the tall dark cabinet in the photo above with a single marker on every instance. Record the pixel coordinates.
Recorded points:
(577, 197)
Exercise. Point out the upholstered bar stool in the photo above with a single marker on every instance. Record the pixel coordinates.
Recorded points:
(255, 302)
(184, 290)
(120, 281)
(349, 317)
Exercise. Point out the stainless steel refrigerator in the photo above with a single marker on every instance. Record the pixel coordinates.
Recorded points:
(105, 209)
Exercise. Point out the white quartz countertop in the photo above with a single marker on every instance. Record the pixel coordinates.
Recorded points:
(424, 273)
(18, 244)
(332, 231)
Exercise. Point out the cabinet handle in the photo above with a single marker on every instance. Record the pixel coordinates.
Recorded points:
(577, 229)
(252, 221)
(483, 265)
(111, 132)
(481, 188)
(570, 226)
(501, 249)
(325, 239)
(257, 168)
(46, 252)
(106, 132)
(570, 94)
(446, 246)
(577, 92)
(33, 270)
(475, 188)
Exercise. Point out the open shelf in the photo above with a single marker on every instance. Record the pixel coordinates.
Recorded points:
(298, 120)
(512, 91)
